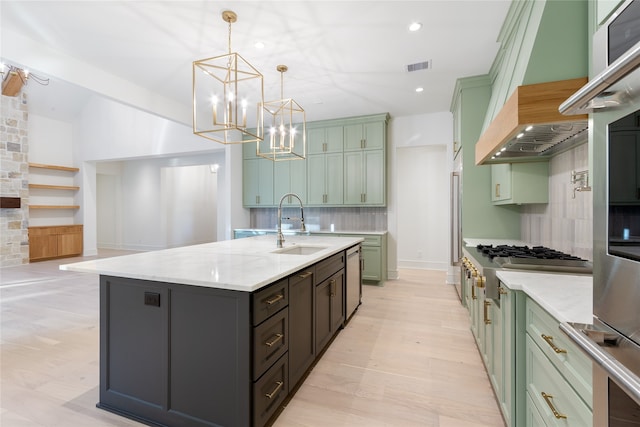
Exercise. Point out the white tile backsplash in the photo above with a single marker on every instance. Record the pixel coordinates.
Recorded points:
(565, 223)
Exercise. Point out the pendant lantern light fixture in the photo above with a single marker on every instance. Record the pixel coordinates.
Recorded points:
(284, 134)
(228, 94)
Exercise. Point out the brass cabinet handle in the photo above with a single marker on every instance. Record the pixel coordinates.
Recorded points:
(274, 299)
(497, 190)
(279, 385)
(363, 143)
(549, 340)
(305, 274)
(502, 291)
(547, 398)
(473, 292)
(277, 338)
(487, 304)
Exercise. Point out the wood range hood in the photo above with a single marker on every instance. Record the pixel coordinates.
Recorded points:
(529, 126)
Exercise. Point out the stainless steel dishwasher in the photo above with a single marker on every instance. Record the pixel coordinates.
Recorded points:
(354, 280)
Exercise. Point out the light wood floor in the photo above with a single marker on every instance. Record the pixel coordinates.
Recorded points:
(407, 357)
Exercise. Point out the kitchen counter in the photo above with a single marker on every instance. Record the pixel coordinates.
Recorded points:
(295, 231)
(241, 265)
(567, 297)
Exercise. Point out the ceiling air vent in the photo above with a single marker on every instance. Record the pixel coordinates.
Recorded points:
(419, 66)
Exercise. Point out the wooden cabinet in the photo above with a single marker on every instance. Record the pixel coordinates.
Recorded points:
(558, 375)
(364, 178)
(325, 179)
(224, 357)
(329, 309)
(301, 328)
(48, 242)
(520, 183)
(257, 182)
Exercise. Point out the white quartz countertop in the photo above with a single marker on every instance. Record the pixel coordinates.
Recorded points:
(242, 264)
(294, 231)
(567, 297)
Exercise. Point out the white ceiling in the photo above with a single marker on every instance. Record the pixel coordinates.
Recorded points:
(345, 58)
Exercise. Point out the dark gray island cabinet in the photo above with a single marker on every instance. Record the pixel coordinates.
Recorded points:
(182, 355)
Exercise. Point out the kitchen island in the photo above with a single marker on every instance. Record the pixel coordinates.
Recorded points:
(218, 334)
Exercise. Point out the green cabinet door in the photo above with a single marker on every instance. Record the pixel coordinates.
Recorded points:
(325, 179)
(290, 177)
(520, 183)
(500, 182)
(366, 136)
(364, 178)
(327, 139)
(372, 266)
(257, 183)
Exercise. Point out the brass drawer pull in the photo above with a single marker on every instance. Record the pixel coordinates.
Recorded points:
(502, 291)
(277, 338)
(274, 299)
(305, 274)
(547, 398)
(487, 304)
(549, 340)
(279, 385)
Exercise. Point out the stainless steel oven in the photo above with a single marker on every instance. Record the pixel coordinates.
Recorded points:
(613, 340)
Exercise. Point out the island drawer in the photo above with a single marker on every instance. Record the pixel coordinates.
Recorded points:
(270, 391)
(329, 266)
(268, 301)
(270, 341)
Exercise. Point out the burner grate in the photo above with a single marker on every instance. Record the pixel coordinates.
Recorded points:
(534, 252)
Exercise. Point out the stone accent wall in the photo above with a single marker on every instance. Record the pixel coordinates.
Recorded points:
(565, 223)
(14, 173)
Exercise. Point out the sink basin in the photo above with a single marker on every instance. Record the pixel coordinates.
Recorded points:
(299, 250)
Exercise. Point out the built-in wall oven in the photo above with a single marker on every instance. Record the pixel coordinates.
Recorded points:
(613, 340)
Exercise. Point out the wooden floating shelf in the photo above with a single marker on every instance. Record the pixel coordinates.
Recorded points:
(53, 167)
(54, 206)
(54, 187)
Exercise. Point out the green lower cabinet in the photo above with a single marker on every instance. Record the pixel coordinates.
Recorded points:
(374, 256)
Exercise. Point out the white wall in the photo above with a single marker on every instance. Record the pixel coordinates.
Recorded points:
(431, 135)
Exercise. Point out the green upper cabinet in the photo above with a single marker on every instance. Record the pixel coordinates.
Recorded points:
(290, 177)
(345, 166)
(364, 177)
(324, 179)
(520, 183)
(366, 136)
(257, 182)
(605, 8)
(329, 139)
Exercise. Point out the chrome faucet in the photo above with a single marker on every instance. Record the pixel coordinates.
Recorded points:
(280, 240)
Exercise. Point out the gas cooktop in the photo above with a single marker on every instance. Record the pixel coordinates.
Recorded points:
(538, 258)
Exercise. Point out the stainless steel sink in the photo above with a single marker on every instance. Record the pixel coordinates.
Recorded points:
(299, 250)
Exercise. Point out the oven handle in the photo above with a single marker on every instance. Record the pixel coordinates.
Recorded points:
(622, 376)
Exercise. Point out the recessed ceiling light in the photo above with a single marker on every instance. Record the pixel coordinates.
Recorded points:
(415, 26)
(419, 89)
(259, 45)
